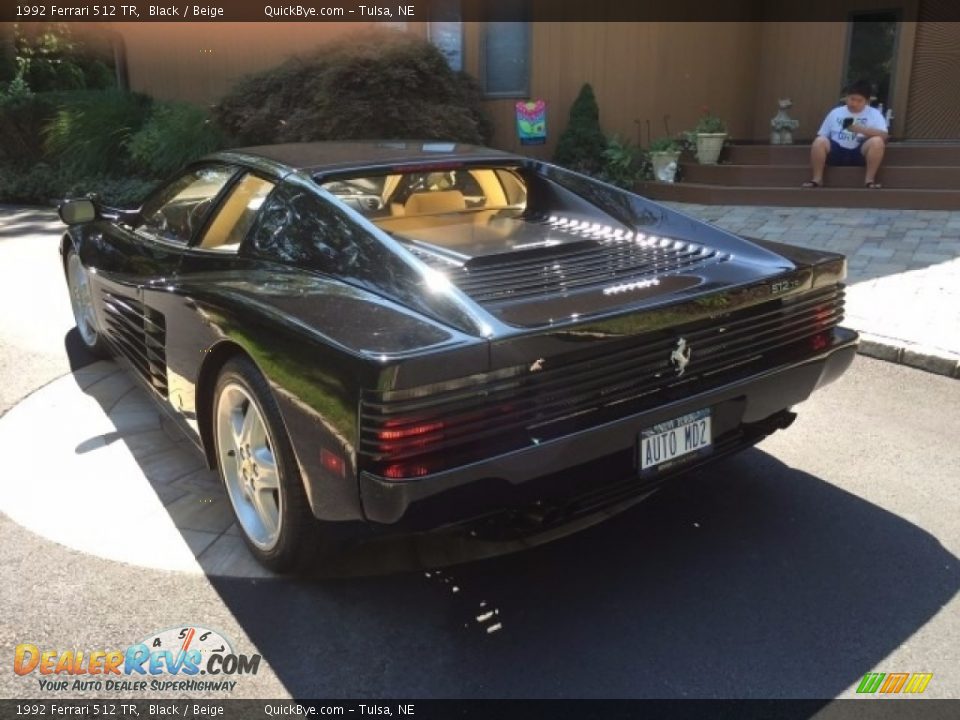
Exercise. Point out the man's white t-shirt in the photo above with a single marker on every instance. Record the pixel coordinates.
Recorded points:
(832, 127)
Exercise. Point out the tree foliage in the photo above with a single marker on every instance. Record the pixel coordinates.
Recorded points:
(67, 130)
(378, 84)
(90, 130)
(51, 57)
(114, 143)
(582, 144)
(8, 55)
(175, 134)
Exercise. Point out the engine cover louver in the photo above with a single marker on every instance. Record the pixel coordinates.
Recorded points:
(600, 257)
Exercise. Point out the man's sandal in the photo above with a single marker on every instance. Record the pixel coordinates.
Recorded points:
(872, 185)
(810, 184)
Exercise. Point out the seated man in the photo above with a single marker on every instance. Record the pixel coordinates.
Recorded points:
(852, 134)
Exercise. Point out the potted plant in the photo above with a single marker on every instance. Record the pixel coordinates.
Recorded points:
(623, 163)
(665, 157)
(709, 134)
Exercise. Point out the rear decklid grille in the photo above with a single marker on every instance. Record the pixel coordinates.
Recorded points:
(600, 257)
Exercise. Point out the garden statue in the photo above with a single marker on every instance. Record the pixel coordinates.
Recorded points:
(783, 125)
(667, 172)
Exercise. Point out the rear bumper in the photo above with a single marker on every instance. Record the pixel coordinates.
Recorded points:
(597, 464)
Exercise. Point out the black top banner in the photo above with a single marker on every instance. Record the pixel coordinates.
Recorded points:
(464, 10)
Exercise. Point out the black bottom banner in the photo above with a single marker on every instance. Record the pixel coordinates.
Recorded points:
(115, 709)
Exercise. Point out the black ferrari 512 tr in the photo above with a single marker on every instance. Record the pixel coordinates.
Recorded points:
(376, 340)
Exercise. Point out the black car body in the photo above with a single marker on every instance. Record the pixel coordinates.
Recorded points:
(457, 338)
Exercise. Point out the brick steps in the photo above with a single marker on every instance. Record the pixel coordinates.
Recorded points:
(791, 176)
(915, 176)
(897, 153)
(894, 198)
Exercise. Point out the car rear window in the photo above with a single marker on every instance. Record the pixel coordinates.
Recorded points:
(450, 195)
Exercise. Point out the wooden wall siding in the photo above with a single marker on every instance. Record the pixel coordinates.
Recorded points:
(934, 104)
(806, 61)
(802, 61)
(200, 62)
(639, 71)
(902, 76)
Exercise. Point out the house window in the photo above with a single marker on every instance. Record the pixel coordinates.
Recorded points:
(506, 59)
(445, 30)
(872, 51)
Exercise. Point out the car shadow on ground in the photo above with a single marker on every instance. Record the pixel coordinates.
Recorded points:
(78, 356)
(745, 579)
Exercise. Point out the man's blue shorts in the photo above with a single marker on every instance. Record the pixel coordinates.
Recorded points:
(840, 155)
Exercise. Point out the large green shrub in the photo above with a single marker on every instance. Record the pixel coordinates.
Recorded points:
(44, 183)
(116, 191)
(582, 144)
(21, 117)
(378, 84)
(116, 144)
(90, 130)
(174, 135)
(255, 110)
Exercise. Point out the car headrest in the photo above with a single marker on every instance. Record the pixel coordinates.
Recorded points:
(426, 203)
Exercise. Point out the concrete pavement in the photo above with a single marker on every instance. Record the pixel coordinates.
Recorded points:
(903, 290)
(115, 460)
(36, 311)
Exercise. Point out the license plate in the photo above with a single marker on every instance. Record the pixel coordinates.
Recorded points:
(669, 441)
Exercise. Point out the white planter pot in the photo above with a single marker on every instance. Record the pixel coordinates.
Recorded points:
(665, 165)
(709, 146)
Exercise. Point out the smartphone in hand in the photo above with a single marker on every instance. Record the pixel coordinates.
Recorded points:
(847, 122)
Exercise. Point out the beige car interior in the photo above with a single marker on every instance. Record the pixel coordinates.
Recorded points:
(438, 201)
(230, 225)
(177, 218)
(440, 207)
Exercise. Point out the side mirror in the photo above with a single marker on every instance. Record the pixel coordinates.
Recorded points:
(74, 212)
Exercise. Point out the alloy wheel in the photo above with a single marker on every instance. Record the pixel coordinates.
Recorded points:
(249, 466)
(81, 300)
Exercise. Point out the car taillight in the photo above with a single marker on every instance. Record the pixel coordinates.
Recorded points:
(823, 319)
(824, 316)
(406, 447)
(821, 340)
(403, 471)
(409, 432)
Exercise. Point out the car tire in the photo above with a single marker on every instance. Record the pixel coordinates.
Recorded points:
(260, 473)
(81, 302)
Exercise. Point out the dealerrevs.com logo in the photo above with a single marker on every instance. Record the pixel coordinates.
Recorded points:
(172, 659)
